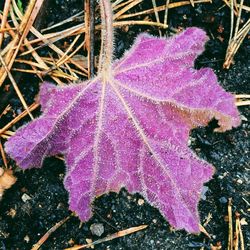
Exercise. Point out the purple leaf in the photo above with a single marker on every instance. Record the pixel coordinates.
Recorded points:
(132, 129)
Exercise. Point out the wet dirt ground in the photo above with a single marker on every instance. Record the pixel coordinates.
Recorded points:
(38, 200)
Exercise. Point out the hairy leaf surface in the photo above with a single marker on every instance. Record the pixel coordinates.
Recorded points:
(131, 129)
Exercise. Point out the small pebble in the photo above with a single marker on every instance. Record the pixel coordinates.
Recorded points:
(140, 202)
(71, 242)
(203, 192)
(243, 118)
(243, 222)
(239, 181)
(223, 200)
(89, 241)
(97, 229)
(25, 197)
(26, 239)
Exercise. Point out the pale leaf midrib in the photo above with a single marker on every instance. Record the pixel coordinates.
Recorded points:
(97, 139)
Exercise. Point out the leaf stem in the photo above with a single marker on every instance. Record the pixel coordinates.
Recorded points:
(106, 54)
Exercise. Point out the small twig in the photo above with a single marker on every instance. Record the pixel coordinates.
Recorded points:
(103, 219)
(235, 44)
(9, 133)
(92, 38)
(3, 155)
(204, 231)
(7, 29)
(89, 35)
(239, 34)
(6, 110)
(27, 44)
(244, 7)
(162, 8)
(110, 237)
(139, 22)
(242, 96)
(27, 21)
(4, 19)
(236, 235)
(230, 225)
(49, 232)
(242, 99)
(242, 246)
(156, 14)
(18, 118)
(242, 103)
(70, 19)
(238, 19)
(232, 20)
(126, 8)
(16, 87)
(208, 219)
(118, 4)
(166, 12)
(192, 2)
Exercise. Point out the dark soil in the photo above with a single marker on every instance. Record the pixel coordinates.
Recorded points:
(47, 201)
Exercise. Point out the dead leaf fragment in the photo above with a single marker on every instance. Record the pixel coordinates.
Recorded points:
(7, 179)
(12, 213)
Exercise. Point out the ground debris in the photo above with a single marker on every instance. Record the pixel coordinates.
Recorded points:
(7, 179)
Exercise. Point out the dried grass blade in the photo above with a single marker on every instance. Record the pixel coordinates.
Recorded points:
(70, 19)
(55, 36)
(235, 44)
(89, 35)
(166, 12)
(242, 245)
(3, 155)
(29, 18)
(156, 14)
(242, 103)
(49, 43)
(119, 4)
(236, 235)
(10, 29)
(16, 87)
(162, 8)
(242, 96)
(30, 63)
(20, 16)
(111, 237)
(230, 225)
(30, 48)
(18, 118)
(139, 22)
(4, 20)
(238, 19)
(50, 231)
(232, 20)
(126, 8)
(62, 60)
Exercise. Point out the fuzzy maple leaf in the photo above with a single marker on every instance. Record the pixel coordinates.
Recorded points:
(130, 129)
